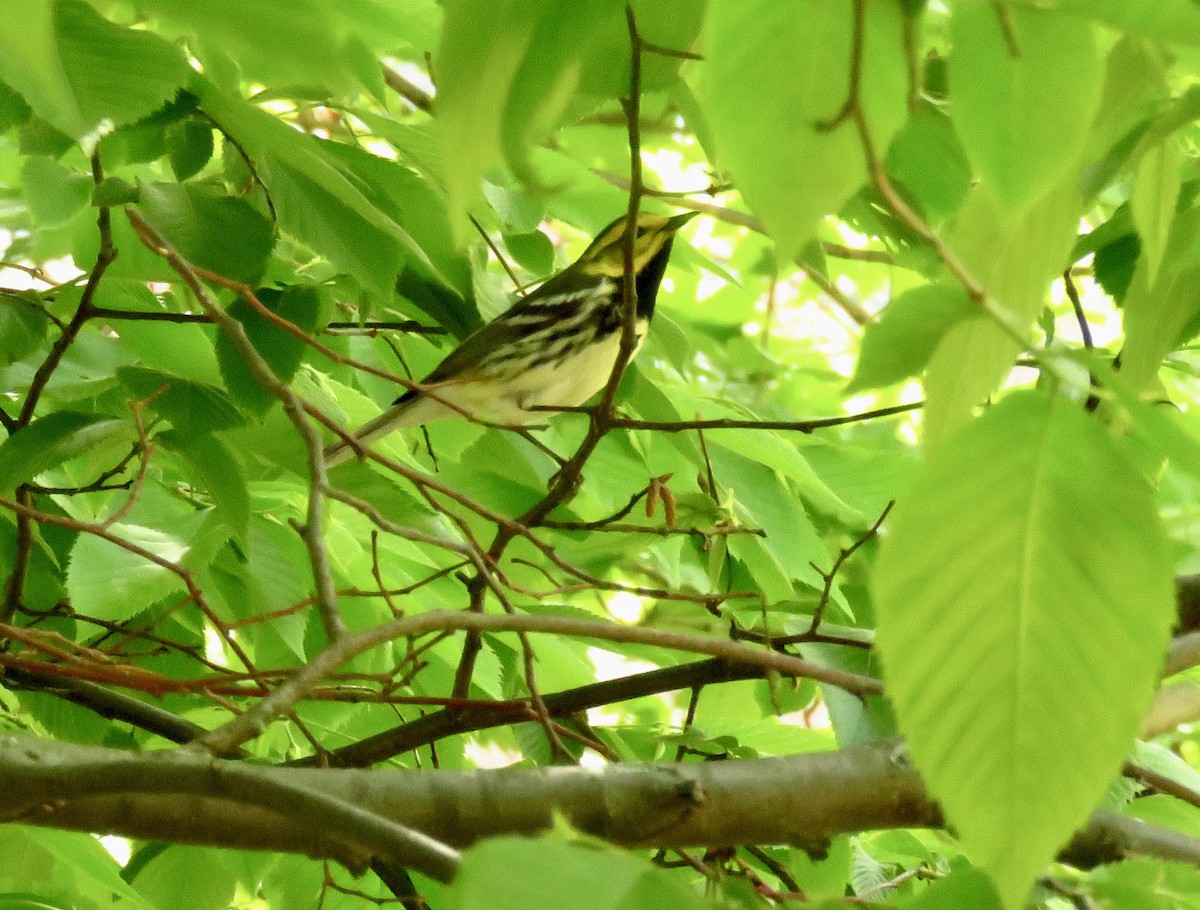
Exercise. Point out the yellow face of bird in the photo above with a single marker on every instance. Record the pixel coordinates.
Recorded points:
(606, 255)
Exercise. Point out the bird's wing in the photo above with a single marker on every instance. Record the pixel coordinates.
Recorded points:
(550, 304)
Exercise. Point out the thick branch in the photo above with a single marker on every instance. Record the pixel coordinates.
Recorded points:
(803, 800)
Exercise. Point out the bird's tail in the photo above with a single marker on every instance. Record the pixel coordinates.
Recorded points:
(397, 417)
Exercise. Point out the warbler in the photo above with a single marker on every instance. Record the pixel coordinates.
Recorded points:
(554, 348)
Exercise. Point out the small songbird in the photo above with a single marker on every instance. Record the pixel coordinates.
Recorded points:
(554, 348)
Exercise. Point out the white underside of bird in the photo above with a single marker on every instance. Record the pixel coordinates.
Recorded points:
(566, 382)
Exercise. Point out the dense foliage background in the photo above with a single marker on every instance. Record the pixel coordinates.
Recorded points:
(911, 451)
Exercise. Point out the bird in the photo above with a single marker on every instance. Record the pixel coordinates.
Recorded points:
(555, 347)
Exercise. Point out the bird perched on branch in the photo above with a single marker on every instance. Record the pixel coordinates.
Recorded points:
(554, 348)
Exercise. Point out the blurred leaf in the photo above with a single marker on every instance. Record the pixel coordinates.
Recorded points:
(772, 74)
(533, 251)
(169, 879)
(1014, 261)
(79, 71)
(508, 874)
(55, 193)
(1170, 21)
(1114, 265)
(504, 79)
(1060, 582)
(13, 109)
(1157, 313)
(1020, 82)
(1152, 200)
(929, 136)
(901, 343)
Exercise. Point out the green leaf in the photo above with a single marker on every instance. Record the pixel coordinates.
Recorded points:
(415, 203)
(1152, 200)
(901, 343)
(49, 441)
(1024, 595)
(219, 473)
(108, 581)
(963, 887)
(671, 25)
(79, 71)
(13, 109)
(113, 191)
(309, 42)
(189, 146)
(511, 873)
(191, 407)
(1115, 263)
(315, 200)
(170, 879)
(199, 222)
(22, 327)
(761, 500)
(1014, 261)
(61, 860)
(929, 136)
(54, 193)
(1020, 82)
(1169, 21)
(533, 251)
(506, 71)
(282, 350)
(1156, 314)
(773, 72)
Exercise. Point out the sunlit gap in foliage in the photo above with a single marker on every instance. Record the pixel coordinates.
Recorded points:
(214, 647)
(490, 754)
(118, 848)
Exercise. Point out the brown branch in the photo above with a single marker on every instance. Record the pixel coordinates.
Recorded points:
(844, 554)
(281, 700)
(310, 531)
(83, 312)
(730, 423)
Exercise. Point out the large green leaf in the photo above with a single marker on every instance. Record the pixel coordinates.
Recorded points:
(1020, 83)
(1169, 21)
(55, 193)
(219, 473)
(773, 72)
(1024, 597)
(22, 326)
(79, 71)
(315, 201)
(309, 42)
(506, 73)
(1152, 200)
